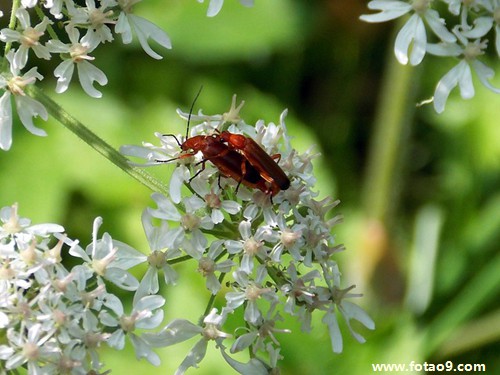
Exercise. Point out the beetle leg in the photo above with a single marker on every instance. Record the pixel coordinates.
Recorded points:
(201, 170)
(276, 156)
(243, 173)
(218, 182)
(182, 156)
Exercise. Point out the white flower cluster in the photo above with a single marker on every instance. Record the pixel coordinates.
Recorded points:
(53, 319)
(69, 32)
(264, 256)
(467, 40)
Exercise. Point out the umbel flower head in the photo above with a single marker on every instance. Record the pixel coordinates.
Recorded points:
(466, 38)
(88, 25)
(273, 250)
(54, 319)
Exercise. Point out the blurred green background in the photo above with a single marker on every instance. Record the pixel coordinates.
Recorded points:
(420, 192)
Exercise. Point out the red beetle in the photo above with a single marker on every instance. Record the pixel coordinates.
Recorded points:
(242, 159)
(259, 159)
(230, 163)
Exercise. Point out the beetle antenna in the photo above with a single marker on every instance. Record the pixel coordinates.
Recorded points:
(173, 135)
(191, 110)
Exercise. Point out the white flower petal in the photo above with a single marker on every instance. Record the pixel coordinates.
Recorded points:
(123, 27)
(64, 72)
(143, 153)
(333, 328)
(27, 108)
(56, 46)
(143, 350)
(252, 367)
(23, 17)
(445, 85)
(145, 30)
(88, 74)
(117, 340)
(444, 49)
(194, 357)
(20, 58)
(127, 256)
(6, 351)
(412, 31)
(437, 25)
(245, 229)
(179, 330)
(41, 52)
(231, 207)
(481, 27)
(465, 82)
(214, 7)
(29, 3)
(148, 285)
(389, 10)
(252, 312)
(217, 216)
(44, 229)
(485, 74)
(5, 121)
(244, 341)
(121, 278)
(180, 175)
(149, 303)
(497, 39)
(353, 311)
(454, 6)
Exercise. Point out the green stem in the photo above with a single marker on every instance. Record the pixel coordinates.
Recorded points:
(386, 149)
(50, 30)
(12, 24)
(211, 301)
(98, 144)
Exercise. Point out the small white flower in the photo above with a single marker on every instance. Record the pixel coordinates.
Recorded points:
(287, 240)
(413, 32)
(181, 330)
(483, 24)
(28, 3)
(77, 54)
(32, 346)
(13, 225)
(158, 259)
(300, 289)
(144, 29)
(146, 314)
(249, 291)
(189, 234)
(27, 108)
(213, 202)
(95, 18)
(54, 6)
(209, 264)
(110, 259)
(250, 246)
(28, 39)
(461, 74)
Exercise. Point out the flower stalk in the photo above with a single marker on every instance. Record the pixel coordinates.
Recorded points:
(94, 141)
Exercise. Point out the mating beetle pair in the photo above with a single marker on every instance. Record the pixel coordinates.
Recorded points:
(238, 157)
